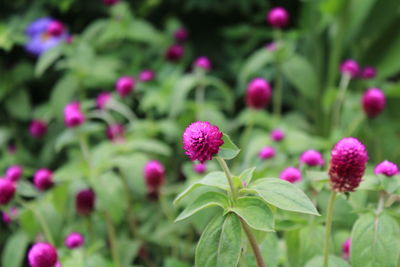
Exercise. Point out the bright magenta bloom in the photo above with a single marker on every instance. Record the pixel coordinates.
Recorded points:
(291, 174)
(346, 249)
(43, 179)
(102, 99)
(85, 202)
(42, 255)
(203, 63)
(125, 85)
(312, 158)
(73, 116)
(38, 128)
(154, 174)
(350, 67)
(373, 102)
(174, 53)
(74, 240)
(14, 173)
(267, 152)
(277, 135)
(146, 75)
(368, 72)
(7, 190)
(200, 168)
(258, 93)
(55, 28)
(348, 160)
(181, 35)
(115, 133)
(386, 168)
(278, 17)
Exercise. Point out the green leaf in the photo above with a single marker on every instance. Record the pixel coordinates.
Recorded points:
(375, 241)
(247, 175)
(215, 179)
(333, 262)
(180, 93)
(46, 59)
(18, 105)
(282, 194)
(209, 199)
(62, 93)
(310, 247)
(255, 212)
(220, 242)
(228, 150)
(14, 250)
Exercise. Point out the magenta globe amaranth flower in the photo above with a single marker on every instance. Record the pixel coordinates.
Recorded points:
(74, 240)
(14, 173)
(348, 160)
(43, 179)
(346, 249)
(85, 202)
(102, 99)
(73, 115)
(200, 168)
(55, 28)
(277, 135)
(42, 255)
(368, 72)
(387, 168)
(7, 190)
(373, 102)
(8, 217)
(202, 141)
(267, 152)
(181, 35)
(154, 174)
(115, 133)
(312, 158)
(350, 67)
(278, 17)
(258, 93)
(5, 218)
(174, 53)
(203, 63)
(146, 75)
(37, 128)
(291, 174)
(125, 85)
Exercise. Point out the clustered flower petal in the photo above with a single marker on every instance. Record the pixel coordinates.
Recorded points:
(14, 173)
(125, 85)
(154, 174)
(42, 255)
(368, 73)
(37, 128)
(258, 93)
(174, 53)
(73, 115)
(350, 67)
(278, 17)
(277, 135)
(373, 102)
(43, 179)
(146, 75)
(291, 174)
(55, 28)
(74, 240)
(203, 63)
(346, 249)
(312, 158)
(387, 168)
(102, 99)
(7, 190)
(115, 133)
(85, 202)
(267, 152)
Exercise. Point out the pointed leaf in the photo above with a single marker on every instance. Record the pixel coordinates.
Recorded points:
(247, 175)
(228, 150)
(333, 261)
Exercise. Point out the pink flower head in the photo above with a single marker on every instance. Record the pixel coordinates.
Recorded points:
(203, 63)
(271, 47)
(85, 202)
(350, 67)
(154, 174)
(37, 128)
(373, 102)
(146, 75)
(312, 158)
(278, 17)
(368, 72)
(348, 160)
(181, 35)
(58, 264)
(42, 255)
(74, 240)
(258, 93)
(55, 28)
(5, 218)
(200, 168)
(73, 116)
(386, 168)
(115, 132)
(102, 99)
(277, 135)
(202, 141)
(174, 53)
(110, 2)
(291, 174)
(125, 85)
(43, 179)
(346, 249)
(8, 217)
(14, 173)
(7, 190)
(267, 152)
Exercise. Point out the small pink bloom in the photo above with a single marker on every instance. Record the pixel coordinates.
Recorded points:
(346, 249)
(115, 133)
(6, 218)
(271, 47)
(7, 190)
(200, 168)
(42, 255)
(278, 17)
(146, 75)
(181, 35)
(73, 116)
(14, 173)
(258, 93)
(110, 2)
(74, 240)
(373, 102)
(203, 63)
(43, 179)
(85, 202)
(154, 174)
(368, 73)
(291, 174)
(350, 67)
(267, 152)
(125, 85)
(55, 28)
(386, 168)
(312, 158)
(277, 135)
(102, 99)
(174, 53)
(38, 128)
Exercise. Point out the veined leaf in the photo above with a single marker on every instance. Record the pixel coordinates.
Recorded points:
(228, 150)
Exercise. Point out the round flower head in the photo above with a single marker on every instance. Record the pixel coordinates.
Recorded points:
(74, 240)
(200, 168)
(14, 173)
(350, 67)
(115, 133)
(277, 135)
(5, 218)
(386, 168)
(7, 190)
(42, 255)
(368, 73)
(43, 179)
(38, 128)
(202, 141)
(312, 158)
(278, 17)
(291, 174)
(125, 85)
(347, 166)
(267, 152)
(146, 75)
(203, 63)
(373, 102)
(85, 201)
(55, 28)
(110, 2)
(271, 47)
(174, 53)
(181, 35)
(346, 249)
(154, 174)
(8, 217)
(258, 93)
(102, 99)
(73, 116)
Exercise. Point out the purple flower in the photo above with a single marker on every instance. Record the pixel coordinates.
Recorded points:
(202, 141)
(115, 133)
(14, 173)
(7, 190)
(203, 63)
(373, 102)
(258, 93)
(55, 28)
(43, 179)
(181, 35)
(312, 158)
(271, 47)
(146, 75)
(154, 174)
(174, 53)
(346, 249)
(278, 17)
(291, 174)
(386, 168)
(125, 85)
(200, 168)
(38, 26)
(73, 116)
(110, 2)
(102, 99)
(42, 255)
(37, 128)
(277, 135)
(74, 240)
(267, 152)
(348, 160)
(350, 67)
(368, 72)
(85, 202)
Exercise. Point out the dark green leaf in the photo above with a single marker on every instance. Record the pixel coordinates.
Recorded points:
(47, 59)
(14, 250)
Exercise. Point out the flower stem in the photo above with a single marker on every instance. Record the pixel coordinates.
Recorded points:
(344, 83)
(228, 175)
(278, 87)
(328, 228)
(381, 203)
(84, 148)
(113, 240)
(253, 243)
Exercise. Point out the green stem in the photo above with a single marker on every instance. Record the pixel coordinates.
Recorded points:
(228, 175)
(200, 92)
(381, 203)
(84, 148)
(328, 228)
(253, 243)
(113, 240)
(357, 121)
(344, 84)
(278, 87)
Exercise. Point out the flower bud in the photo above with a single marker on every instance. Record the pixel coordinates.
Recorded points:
(55, 28)
(38, 128)
(346, 249)
(181, 35)
(125, 85)
(42, 255)
(203, 63)
(102, 99)
(278, 17)
(43, 179)
(312, 158)
(7, 190)
(277, 135)
(200, 168)
(267, 152)
(350, 67)
(115, 133)
(73, 116)
(85, 202)
(368, 73)
(174, 53)
(373, 102)
(291, 174)
(154, 174)
(146, 75)
(258, 93)
(74, 240)
(14, 173)
(386, 168)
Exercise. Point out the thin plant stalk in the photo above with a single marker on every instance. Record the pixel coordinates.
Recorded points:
(112, 237)
(344, 84)
(278, 87)
(84, 148)
(200, 92)
(328, 228)
(381, 203)
(228, 175)
(253, 244)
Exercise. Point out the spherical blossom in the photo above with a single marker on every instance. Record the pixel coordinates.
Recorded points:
(115, 133)
(73, 116)
(74, 240)
(55, 28)
(154, 174)
(291, 174)
(7, 190)
(85, 201)
(110, 2)
(8, 217)
(368, 72)
(14, 173)
(373, 102)
(278, 17)
(346, 249)
(277, 135)
(387, 168)
(271, 47)
(200, 168)
(202, 141)
(125, 85)
(258, 93)
(348, 160)
(43, 179)
(42, 255)
(181, 35)
(350, 67)
(203, 63)
(174, 53)
(102, 99)
(312, 158)
(146, 75)
(267, 152)
(37, 128)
